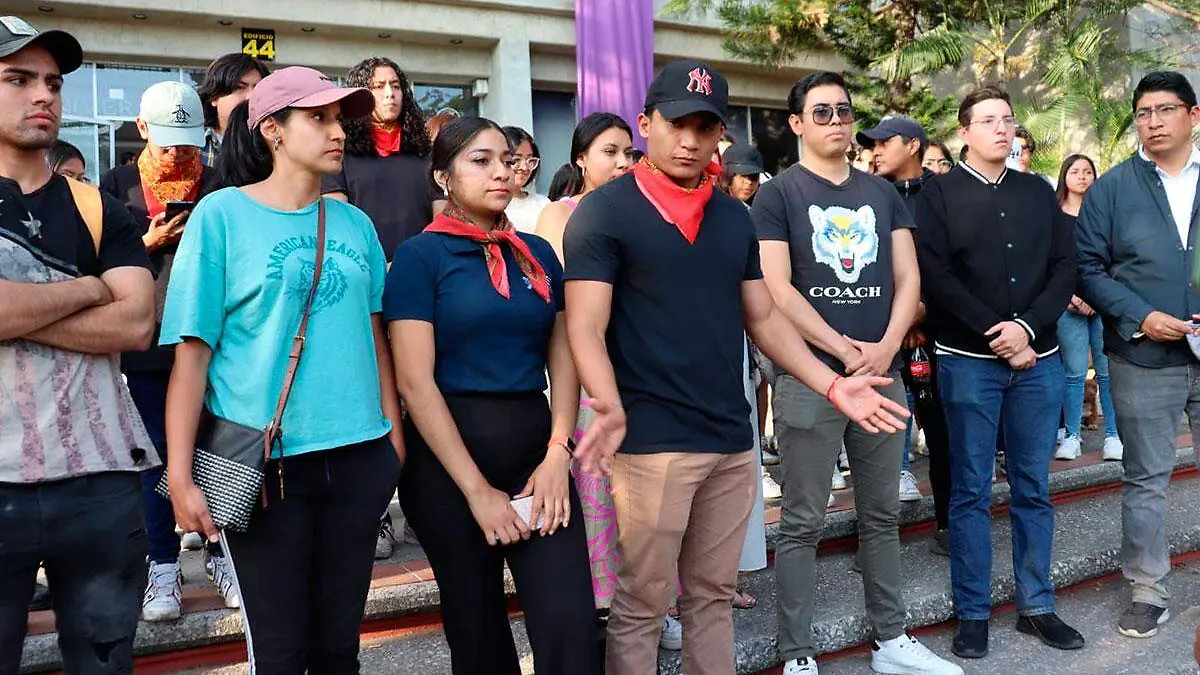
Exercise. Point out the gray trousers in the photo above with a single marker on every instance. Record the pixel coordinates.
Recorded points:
(810, 432)
(1149, 403)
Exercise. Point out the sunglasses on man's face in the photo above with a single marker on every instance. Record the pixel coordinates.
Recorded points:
(823, 114)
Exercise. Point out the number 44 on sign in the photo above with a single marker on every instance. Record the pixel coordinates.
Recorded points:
(259, 43)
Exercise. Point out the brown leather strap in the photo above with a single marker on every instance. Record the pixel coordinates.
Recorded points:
(275, 430)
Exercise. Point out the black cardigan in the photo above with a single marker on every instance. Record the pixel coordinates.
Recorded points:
(992, 252)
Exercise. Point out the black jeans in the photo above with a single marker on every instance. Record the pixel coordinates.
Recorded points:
(506, 436)
(932, 418)
(304, 566)
(91, 535)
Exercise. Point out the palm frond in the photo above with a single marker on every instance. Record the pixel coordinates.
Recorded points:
(942, 47)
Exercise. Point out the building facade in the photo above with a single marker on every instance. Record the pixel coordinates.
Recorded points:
(510, 60)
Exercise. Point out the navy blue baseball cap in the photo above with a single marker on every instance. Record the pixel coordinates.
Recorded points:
(896, 125)
(682, 88)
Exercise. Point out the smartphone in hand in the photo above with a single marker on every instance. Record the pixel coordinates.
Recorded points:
(176, 208)
(524, 508)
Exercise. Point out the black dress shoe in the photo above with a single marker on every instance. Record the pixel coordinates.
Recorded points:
(1051, 630)
(971, 639)
(41, 598)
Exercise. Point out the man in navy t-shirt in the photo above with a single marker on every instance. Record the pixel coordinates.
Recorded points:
(663, 279)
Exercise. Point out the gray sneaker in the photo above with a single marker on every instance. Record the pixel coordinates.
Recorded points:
(1142, 620)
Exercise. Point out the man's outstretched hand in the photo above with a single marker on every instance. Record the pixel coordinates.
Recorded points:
(602, 439)
(857, 399)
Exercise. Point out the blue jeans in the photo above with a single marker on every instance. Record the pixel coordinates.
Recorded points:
(974, 393)
(149, 392)
(1079, 336)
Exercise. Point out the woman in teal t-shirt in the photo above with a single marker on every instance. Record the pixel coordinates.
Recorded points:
(238, 290)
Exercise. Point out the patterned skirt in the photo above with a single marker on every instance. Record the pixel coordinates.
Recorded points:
(599, 518)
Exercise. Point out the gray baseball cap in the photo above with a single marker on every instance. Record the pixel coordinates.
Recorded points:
(16, 34)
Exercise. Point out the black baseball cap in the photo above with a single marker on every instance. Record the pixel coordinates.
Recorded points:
(685, 87)
(16, 34)
(896, 125)
(743, 160)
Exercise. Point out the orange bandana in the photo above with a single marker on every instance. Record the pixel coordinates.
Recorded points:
(164, 181)
(680, 206)
(454, 221)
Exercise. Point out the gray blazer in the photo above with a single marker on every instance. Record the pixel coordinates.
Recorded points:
(1131, 262)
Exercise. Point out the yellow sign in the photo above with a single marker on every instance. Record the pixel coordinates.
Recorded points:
(259, 43)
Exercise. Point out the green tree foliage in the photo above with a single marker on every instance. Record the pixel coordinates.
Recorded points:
(1065, 61)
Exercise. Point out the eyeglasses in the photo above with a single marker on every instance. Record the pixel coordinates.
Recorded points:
(527, 163)
(940, 163)
(1165, 112)
(823, 114)
(991, 122)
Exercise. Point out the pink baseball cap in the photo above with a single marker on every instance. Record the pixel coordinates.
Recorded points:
(300, 87)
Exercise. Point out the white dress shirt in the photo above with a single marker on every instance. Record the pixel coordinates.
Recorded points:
(1181, 191)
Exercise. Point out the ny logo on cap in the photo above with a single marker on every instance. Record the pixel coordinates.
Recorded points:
(700, 81)
(180, 116)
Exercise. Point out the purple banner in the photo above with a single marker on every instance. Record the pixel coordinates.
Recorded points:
(614, 55)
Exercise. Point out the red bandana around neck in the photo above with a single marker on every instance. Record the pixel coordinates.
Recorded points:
(387, 138)
(680, 206)
(454, 221)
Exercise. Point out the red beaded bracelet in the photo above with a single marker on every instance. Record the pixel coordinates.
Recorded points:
(829, 391)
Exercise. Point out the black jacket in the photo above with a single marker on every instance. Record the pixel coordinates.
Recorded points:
(993, 252)
(1131, 262)
(910, 189)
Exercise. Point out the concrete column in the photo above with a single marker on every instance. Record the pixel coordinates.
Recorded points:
(510, 85)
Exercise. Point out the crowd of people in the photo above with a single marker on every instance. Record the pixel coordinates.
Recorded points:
(573, 387)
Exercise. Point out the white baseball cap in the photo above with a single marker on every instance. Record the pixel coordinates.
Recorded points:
(173, 114)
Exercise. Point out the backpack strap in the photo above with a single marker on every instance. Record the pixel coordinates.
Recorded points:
(91, 207)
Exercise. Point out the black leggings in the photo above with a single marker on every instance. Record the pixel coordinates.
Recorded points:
(304, 566)
(506, 436)
(932, 419)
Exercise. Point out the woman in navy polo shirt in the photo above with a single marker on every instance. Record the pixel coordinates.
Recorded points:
(475, 317)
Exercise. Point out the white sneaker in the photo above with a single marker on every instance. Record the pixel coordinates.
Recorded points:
(909, 492)
(805, 666)
(843, 459)
(1070, 449)
(771, 489)
(906, 656)
(671, 637)
(1114, 450)
(220, 572)
(839, 481)
(1062, 436)
(830, 502)
(919, 446)
(163, 600)
(191, 541)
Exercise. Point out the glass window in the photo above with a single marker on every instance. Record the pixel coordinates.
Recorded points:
(774, 139)
(119, 88)
(553, 125)
(86, 136)
(739, 123)
(78, 95)
(433, 99)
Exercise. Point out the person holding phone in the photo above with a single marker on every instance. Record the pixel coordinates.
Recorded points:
(167, 180)
(475, 312)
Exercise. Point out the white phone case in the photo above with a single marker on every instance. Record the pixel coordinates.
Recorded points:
(524, 508)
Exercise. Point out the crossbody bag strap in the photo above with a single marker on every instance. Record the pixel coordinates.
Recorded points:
(275, 429)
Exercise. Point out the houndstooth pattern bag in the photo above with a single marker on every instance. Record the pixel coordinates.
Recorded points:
(228, 460)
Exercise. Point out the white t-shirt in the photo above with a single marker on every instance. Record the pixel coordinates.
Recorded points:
(524, 211)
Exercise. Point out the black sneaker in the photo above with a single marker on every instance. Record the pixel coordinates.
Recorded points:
(1142, 620)
(1051, 630)
(971, 639)
(939, 543)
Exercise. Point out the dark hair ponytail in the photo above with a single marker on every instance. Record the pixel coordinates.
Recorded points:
(245, 157)
(563, 183)
(453, 139)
